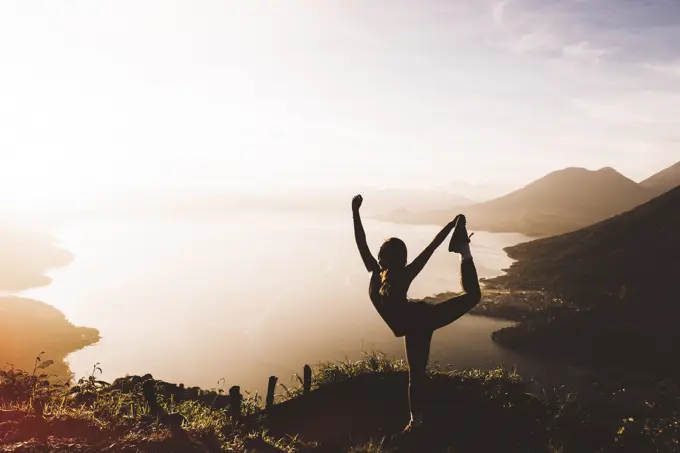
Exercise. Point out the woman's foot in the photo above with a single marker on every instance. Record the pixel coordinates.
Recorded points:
(459, 238)
(413, 427)
(410, 438)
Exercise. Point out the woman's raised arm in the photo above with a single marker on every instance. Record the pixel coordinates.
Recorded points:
(421, 260)
(360, 236)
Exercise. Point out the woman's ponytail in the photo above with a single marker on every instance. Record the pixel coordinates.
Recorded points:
(385, 283)
(392, 259)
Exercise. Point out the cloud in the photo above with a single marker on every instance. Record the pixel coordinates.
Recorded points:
(498, 13)
(545, 43)
(644, 107)
(536, 42)
(668, 68)
(592, 32)
(584, 50)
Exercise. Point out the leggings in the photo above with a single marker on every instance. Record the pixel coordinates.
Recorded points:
(439, 315)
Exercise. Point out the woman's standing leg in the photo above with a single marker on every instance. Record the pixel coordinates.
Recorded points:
(417, 356)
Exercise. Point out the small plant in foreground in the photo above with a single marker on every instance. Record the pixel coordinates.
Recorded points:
(19, 387)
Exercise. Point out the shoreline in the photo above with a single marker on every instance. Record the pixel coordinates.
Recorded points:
(488, 228)
(506, 305)
(32, 327)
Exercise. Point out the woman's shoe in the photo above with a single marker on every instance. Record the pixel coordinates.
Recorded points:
(413, 428)
(460, 237)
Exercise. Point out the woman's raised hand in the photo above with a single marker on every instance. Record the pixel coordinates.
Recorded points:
(356, 202)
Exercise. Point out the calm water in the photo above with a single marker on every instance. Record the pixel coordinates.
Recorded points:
(249, 296)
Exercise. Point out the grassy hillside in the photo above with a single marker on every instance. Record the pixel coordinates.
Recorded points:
(353, 407)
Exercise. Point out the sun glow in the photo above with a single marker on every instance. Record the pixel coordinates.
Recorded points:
(261, 95)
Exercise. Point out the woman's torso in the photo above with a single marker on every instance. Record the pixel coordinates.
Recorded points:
(392, 308)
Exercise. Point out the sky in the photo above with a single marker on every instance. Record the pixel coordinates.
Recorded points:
(270, 94)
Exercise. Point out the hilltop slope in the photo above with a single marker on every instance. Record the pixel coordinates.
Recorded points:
(664, 180)
(352, 407)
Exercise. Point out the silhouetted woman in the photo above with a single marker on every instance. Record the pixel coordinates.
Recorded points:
(416, 321)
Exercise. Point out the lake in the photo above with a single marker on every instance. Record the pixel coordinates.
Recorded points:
(243, 297)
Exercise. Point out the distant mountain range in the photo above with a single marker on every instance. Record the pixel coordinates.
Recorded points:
(195, 201)
(562, 201)
(621, 275)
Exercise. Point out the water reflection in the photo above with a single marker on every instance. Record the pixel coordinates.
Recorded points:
(245, 297)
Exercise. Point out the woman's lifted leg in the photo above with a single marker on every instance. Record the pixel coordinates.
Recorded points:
(444, 313)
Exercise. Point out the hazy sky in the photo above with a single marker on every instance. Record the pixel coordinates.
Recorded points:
(332, 92)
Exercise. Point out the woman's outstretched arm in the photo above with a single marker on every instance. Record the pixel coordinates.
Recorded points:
(421, 260)
(360, 236)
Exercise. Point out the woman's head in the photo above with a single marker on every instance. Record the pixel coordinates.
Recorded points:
(392, 254)
(392, 259)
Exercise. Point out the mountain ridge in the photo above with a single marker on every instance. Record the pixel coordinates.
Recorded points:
(663, 181)
(561, 201)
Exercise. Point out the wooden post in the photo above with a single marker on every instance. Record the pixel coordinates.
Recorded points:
(149, 392)
(270, 390)
(38, 407)
(235, 399)
(307, 383)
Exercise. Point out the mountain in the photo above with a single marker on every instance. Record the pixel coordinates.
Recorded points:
(403, 203)
(212, 201)
(621, 275)
(663, 181)
(562, 201)
(638, 249)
